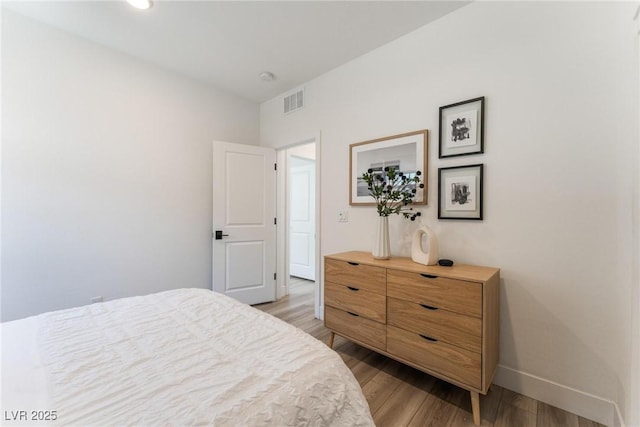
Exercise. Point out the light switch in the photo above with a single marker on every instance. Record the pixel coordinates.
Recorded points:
(343, 215)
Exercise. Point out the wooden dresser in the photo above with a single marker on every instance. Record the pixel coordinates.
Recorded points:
(441, 320)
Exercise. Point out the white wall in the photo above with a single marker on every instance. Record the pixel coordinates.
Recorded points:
(633, 398)
(306, 151)
(560, 81)
(106, 171)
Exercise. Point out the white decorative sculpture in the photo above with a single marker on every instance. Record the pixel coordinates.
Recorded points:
(418, 254)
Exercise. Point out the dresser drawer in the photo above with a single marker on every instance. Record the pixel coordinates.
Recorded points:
(436, 356)
(358, 301)
(356, 327)
(357, 275)
(453, 328)
(450, 294)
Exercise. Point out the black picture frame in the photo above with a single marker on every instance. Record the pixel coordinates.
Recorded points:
(461, 128)
(460, 192)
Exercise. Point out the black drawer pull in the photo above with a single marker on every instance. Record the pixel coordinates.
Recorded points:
(351, 288)
(353, 314)
(428, 307)
(428, 276)
(352, 263)
(428, 338)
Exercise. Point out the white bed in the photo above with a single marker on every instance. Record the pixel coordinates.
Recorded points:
(182, 357)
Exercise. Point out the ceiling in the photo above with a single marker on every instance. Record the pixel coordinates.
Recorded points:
(227, 44)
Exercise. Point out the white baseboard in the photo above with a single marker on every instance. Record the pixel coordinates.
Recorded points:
(586, 405)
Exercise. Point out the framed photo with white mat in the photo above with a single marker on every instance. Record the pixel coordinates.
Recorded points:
(406, 153)
(462, 128)
(460, 192)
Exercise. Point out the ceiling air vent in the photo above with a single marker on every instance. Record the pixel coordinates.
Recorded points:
(294, 102)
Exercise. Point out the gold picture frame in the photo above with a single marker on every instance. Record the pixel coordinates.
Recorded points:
(407, 152)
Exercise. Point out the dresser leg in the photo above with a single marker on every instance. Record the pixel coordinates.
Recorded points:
(331, 337)
(475, 407)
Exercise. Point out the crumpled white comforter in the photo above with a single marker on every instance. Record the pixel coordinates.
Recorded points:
(181, 357)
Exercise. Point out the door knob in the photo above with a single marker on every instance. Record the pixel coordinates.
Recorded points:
(219, 235)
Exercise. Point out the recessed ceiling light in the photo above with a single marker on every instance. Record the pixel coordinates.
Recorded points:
(140, 4)
(267, 76)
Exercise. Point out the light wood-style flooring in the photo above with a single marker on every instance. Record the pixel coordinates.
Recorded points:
(401, 396)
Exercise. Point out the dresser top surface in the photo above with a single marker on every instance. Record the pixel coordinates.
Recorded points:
(473, 273)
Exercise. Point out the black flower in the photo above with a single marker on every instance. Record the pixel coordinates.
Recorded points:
(392, 190)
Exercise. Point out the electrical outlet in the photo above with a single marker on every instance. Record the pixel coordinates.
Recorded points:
(96, 299)
(343, 215)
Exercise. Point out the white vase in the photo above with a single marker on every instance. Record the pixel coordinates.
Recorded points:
(418, 253)
(381, 246)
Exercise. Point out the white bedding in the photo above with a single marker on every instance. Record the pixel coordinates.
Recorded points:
(182, 357)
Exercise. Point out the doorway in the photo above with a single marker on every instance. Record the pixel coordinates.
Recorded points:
(298, 205)
(302, 219)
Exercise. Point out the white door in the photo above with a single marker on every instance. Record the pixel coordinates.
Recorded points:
(244, 231)
(302, 242)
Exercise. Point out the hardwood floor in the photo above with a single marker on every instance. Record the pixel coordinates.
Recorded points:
(401, 396)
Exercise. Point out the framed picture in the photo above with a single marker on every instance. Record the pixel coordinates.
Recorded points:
(460, 192)
(406, 153)
(462, 128)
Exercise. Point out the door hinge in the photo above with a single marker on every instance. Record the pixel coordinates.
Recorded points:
(275, 166)
(275, 221)
(274, 276)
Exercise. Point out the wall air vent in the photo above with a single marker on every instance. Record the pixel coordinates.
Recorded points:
(294, 102)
